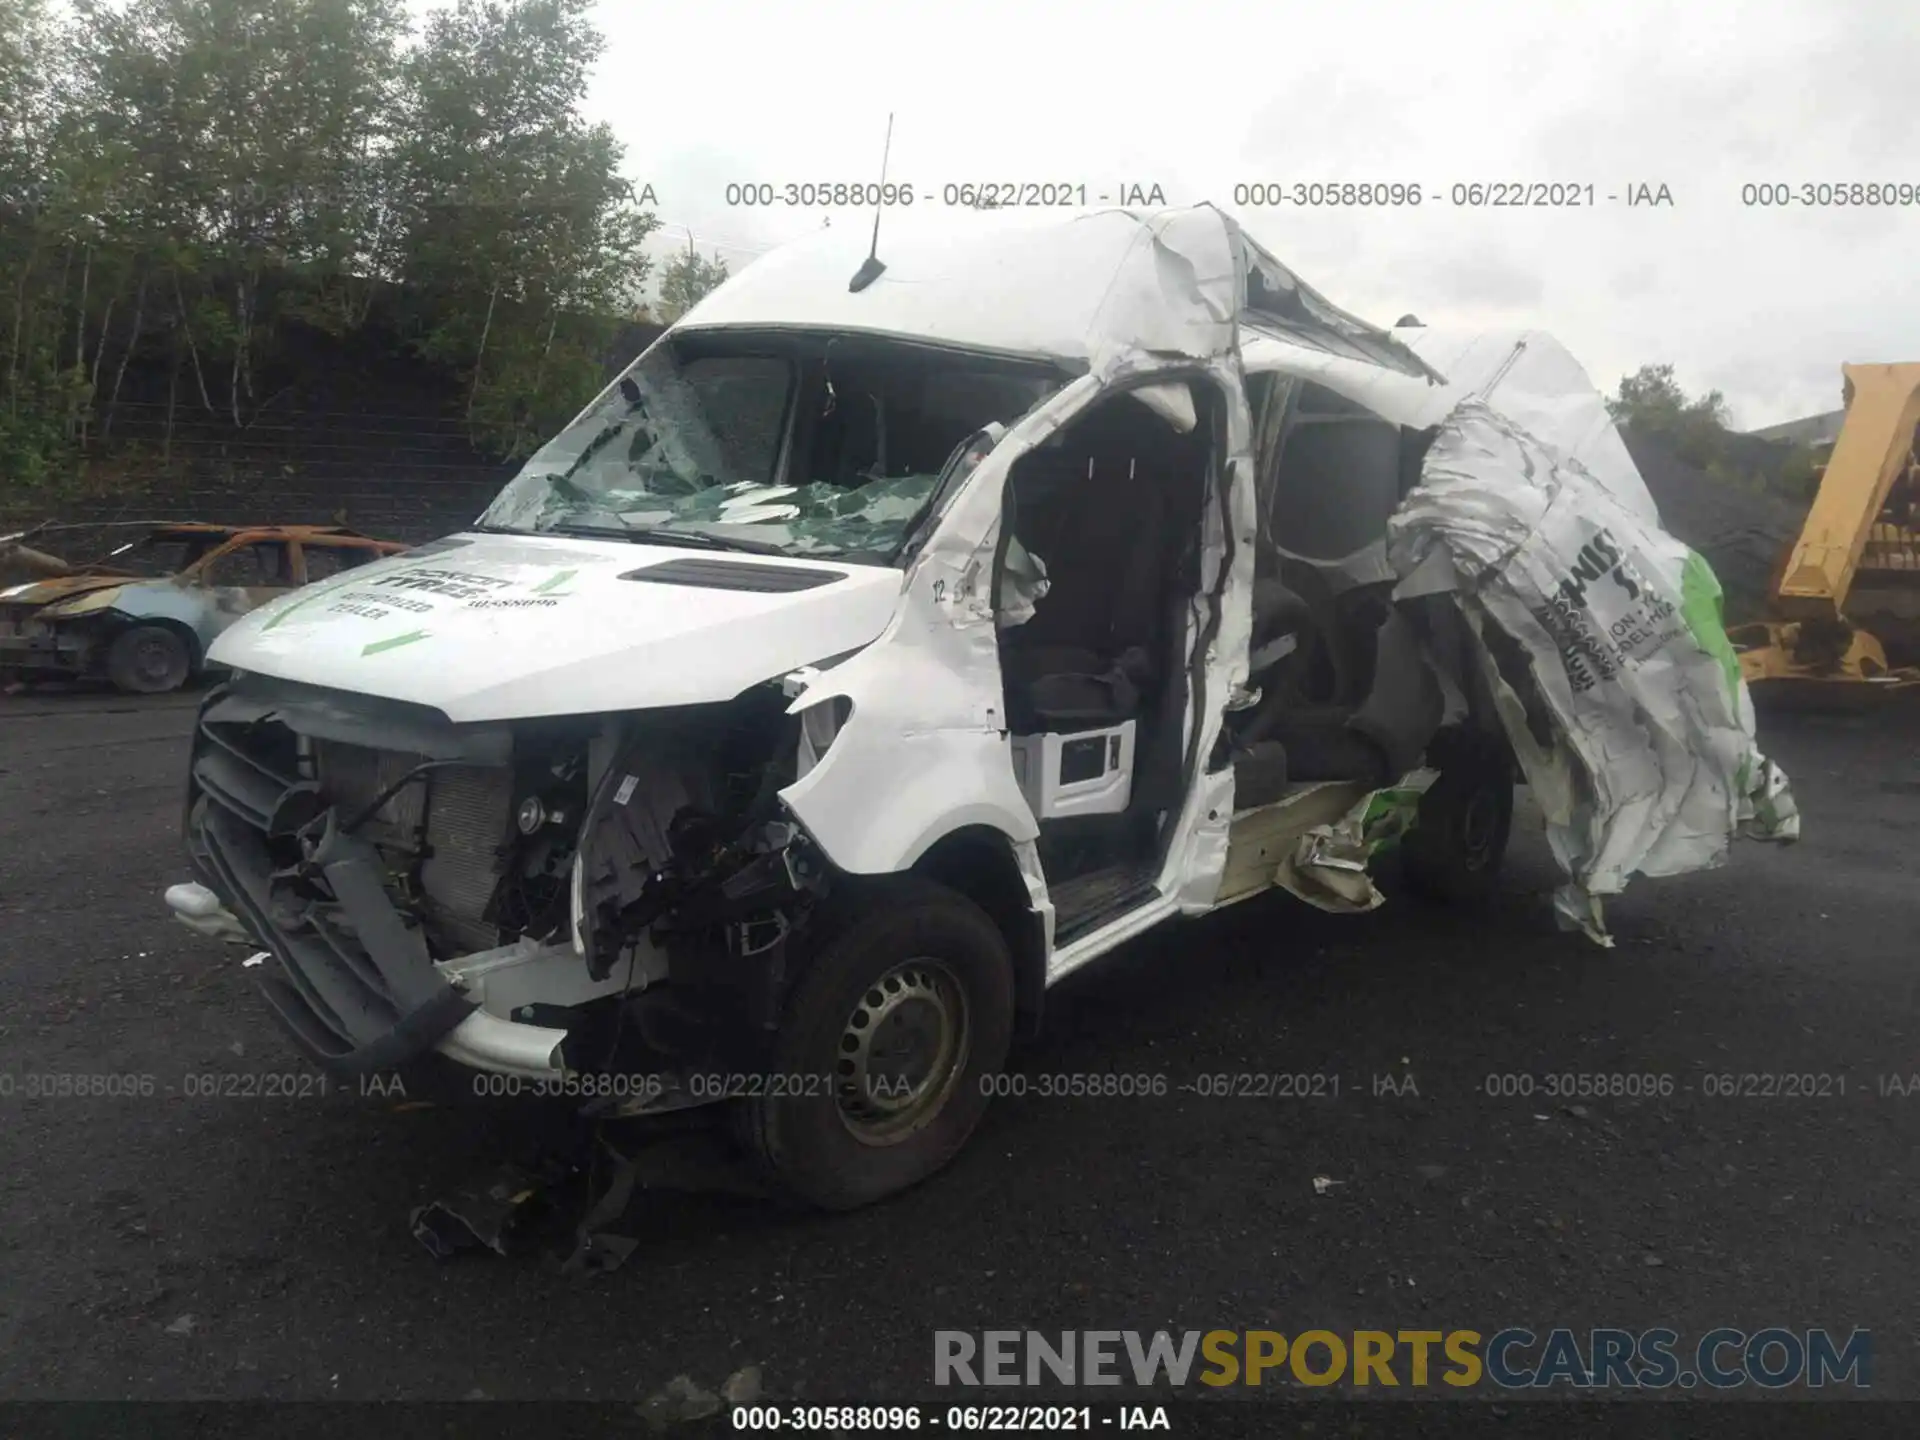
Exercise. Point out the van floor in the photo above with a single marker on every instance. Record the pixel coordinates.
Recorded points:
(1090, 900)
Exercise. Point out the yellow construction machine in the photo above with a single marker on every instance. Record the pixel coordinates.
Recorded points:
(1846, 596)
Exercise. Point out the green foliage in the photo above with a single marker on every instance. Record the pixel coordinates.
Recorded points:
(1799, 473)
(1651, 402)
(186, 180)
(685, 280)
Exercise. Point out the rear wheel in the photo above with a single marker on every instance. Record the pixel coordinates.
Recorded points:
(148, 660)
(884, 1058)
(1452, 855)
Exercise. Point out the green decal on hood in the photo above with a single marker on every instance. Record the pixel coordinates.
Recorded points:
(321, 592)
(394, 642)
(554, 582)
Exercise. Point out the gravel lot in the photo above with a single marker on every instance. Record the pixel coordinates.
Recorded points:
(175, 1247)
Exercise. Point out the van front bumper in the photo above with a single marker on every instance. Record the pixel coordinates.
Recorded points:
(482, 1040)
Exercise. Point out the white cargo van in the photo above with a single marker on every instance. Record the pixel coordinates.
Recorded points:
(876, 651)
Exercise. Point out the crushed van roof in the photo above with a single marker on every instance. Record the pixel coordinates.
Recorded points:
(1085, 287)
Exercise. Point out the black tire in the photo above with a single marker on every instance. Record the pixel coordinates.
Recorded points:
(149, 660)
(1452, 854)
(817, 1136)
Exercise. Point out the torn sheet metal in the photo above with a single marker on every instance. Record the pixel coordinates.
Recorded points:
(1098, 287)
(926, 716)
(1526, 375)
(1329, 866)
(1221, 626)
(1650, 763)
(1072, 286)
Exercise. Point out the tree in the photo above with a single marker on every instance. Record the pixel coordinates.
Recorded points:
(243, 138)
(1651, 401)
(686, 279)
(37, 399)
(520, 230)
(184, 184)
(1695, 429)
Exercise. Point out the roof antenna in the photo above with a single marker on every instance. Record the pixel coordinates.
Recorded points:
(871, 267)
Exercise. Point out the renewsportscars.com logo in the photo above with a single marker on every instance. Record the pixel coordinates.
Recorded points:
(1773, 1358)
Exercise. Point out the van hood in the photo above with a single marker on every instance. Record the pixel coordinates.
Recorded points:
(497, 627)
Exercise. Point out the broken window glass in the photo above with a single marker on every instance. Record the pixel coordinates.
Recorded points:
(828, 448)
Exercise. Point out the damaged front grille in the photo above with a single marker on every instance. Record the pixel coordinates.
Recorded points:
(356, 865)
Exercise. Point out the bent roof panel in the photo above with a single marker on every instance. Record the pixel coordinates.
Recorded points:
(1078, 286)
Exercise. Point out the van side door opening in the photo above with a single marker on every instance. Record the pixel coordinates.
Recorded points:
(1096, 677)
(1343, 691)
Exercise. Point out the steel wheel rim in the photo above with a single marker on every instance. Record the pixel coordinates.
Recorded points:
(901, 1051)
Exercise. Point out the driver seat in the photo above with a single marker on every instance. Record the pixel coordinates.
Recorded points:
(1089, 657)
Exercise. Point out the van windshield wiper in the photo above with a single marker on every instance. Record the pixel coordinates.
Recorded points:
(662, 535)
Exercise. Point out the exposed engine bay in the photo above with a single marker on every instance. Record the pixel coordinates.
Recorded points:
(373, 845)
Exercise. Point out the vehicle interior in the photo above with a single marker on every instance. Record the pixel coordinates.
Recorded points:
(1339, 686)
(1096, 678)
(877, 416)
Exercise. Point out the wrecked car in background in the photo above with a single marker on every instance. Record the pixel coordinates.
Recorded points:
(875, 652)
(144, 616)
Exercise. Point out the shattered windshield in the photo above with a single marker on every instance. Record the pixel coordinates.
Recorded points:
(809, 448)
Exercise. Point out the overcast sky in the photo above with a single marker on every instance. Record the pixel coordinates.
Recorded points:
(1196, 96)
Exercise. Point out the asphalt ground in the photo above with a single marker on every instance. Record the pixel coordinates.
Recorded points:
(173, 1246)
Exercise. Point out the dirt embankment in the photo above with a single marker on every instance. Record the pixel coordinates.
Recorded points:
(1741, 533)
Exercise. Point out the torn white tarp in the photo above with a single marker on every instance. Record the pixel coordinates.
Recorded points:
(1535, 381)
(1652, 765)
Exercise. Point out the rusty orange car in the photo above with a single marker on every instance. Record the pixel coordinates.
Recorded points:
(143, 616)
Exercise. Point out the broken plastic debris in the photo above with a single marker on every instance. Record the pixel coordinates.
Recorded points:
(183, 1326)
(682, 1400)
(488, 1215)
(259, 957)
(1321, 1184)
(1024, 584)
(742, 1387)
(1768, 811)
(1327, 868)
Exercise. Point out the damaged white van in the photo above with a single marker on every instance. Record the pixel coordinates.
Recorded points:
(894, 638)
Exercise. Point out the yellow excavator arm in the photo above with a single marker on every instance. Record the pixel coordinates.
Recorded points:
(1873, 451)
(1812, 650)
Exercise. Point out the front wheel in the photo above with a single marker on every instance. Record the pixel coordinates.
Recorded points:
(148, 660)
(884, 1057)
